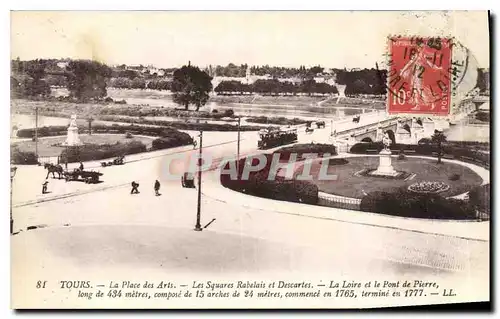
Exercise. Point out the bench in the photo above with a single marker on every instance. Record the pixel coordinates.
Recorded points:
(372, 151)
(409, 151)
(448, 156)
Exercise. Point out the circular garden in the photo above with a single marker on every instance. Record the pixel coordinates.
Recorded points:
(422, 176)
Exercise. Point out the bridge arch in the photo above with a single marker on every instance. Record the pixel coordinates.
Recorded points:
(392, 136)
(407, 127)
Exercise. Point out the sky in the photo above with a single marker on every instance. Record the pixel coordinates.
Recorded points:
(279, 38)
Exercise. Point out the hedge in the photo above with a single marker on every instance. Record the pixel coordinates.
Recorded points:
(20, 157)
(465, 154)
(408, 204)
(278, 188)
(113, 129)
(92, 152)
(311, 148)
(276, 120)
(479, 198)
(193, 126)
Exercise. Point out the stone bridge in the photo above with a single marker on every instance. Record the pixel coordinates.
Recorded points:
(400, 130)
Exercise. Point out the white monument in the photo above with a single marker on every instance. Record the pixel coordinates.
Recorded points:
(385, 165)
(72, 139)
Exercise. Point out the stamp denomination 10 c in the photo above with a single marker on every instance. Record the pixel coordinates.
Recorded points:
(419, 80)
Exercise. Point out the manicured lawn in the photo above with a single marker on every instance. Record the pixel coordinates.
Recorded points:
(347, 184)
(47, 145)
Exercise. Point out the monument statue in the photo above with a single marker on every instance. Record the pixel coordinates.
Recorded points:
(385, 167)
(386, 140)
(72, 139)
(73, 121)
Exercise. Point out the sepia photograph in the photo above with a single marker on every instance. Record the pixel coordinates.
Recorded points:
(249, 159)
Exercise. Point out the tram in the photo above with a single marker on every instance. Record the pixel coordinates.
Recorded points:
(270, 138)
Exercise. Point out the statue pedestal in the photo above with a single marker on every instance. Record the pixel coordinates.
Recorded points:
(72, 139)
(385, 165)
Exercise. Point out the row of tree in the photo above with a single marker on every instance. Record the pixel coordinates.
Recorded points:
(275, 87)
(140, 83)
(233, 70)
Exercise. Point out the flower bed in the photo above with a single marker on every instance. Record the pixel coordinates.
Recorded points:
(426, 187)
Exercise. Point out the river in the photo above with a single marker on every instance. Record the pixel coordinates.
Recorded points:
(164, 99)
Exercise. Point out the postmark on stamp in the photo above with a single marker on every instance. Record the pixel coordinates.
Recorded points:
(420, 78)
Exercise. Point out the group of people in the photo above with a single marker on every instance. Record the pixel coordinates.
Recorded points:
(135, 188)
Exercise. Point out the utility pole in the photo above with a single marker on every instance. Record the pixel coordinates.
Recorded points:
(12, 174)
(90, 120)
(238, 148)
(198, 211)
(36, 132)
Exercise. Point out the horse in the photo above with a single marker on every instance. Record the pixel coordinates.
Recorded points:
(320, 124)
(356, 119)
(51, 168)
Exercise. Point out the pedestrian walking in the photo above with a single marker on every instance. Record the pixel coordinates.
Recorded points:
(81, 166)
(194, 144)
(157, 188)
(44, 186)
(135, 188)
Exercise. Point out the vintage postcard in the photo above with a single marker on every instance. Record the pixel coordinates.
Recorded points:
(249, 159)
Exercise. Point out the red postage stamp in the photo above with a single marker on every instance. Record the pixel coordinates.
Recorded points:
(419, 75)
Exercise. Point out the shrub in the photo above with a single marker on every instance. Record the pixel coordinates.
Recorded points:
(278, 188)
(20, 157)
(276, 120)
(42, 131)
(128, 135)
(108, 100)
(300, 149)
(92, 152)
(408, 204)
(337, 161)
(228, 113)
(460, 150)
(479, 198)
(454, 177)
(167, 142)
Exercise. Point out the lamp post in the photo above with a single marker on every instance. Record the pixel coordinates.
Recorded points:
(13, 170)
(198, 210)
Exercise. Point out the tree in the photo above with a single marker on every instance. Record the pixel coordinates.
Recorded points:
(87, 79)
(191, 86)
(439, 138)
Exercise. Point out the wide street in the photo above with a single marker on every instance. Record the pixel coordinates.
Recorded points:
(101, 229)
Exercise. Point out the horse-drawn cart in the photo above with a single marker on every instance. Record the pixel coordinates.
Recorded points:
(89, 177)
(120, 160)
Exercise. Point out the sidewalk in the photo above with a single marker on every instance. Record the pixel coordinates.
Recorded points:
(472, 230)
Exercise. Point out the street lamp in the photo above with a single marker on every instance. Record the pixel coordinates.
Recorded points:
(13, 171)
(198, 210)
